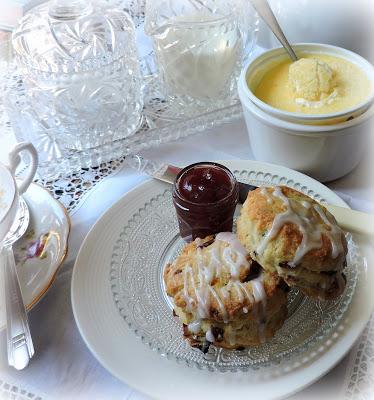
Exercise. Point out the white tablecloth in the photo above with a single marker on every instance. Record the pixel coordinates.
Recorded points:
(63, 367)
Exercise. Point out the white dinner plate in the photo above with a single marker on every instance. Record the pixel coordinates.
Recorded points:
(41, 250)
(120, 351)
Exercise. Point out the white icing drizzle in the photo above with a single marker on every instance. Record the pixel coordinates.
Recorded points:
(265, 193)
(215, 263)
(233, 241)
(311, 232)
(238, 289)
(260, 297)
(233, 259)
(188, 299)
(202, 299)
(194, 326)
(224, 291)
(209, 336)
(220, 303)
(246, 291)
(258, 290)
(234, 266)
(335, 233)
(235, 256)
(208, 272)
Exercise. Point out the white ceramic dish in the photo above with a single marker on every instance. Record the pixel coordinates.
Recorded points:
(119, 350)
(253, 73)
(42, 250)
(323, 152)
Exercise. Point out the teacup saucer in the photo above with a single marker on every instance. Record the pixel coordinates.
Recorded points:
(42, 249)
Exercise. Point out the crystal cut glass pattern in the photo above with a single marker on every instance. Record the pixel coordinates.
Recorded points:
(78, 83)
(151, 239)
(164, 119)
(199, 47)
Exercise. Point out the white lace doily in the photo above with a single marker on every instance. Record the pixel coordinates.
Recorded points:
(71, 190)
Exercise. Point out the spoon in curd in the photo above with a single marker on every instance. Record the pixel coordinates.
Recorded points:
(265, 12)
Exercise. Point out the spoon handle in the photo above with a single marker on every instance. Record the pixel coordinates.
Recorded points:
(265, 12)
(20, 346)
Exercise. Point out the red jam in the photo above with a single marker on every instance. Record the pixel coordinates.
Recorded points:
(205, 196)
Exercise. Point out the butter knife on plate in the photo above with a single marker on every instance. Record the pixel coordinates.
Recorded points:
(348, 219)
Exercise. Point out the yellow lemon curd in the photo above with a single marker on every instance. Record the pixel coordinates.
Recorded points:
(315, 84)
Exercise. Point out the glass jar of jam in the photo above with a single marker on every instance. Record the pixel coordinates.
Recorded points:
(205, 196)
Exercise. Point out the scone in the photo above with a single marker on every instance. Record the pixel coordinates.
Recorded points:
(222, 296)
(290, 234)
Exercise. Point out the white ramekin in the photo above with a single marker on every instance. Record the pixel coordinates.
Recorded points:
(256, 69)
(325, 152)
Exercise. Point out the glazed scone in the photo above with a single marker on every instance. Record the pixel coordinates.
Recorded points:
(290, 234)
(222, 296)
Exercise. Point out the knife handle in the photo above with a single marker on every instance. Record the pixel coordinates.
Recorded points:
(349, 220)
(143, 165)
(160, 171)
(352, 220)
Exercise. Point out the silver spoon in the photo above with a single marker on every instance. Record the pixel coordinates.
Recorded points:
(263, 9)
(19, 340)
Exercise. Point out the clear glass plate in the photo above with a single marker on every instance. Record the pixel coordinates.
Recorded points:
(151, 239)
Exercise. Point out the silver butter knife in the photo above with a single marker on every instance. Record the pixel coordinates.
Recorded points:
(348, 219)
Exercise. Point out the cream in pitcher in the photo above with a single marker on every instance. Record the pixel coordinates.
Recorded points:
(198, 48)
(198, 60)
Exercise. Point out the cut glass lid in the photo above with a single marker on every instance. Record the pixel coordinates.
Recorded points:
(72, 36)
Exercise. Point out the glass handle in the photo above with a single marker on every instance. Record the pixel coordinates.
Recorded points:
(15, 159)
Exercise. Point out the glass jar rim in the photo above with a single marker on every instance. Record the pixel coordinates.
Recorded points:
(217, 18)
(234, 182)
(153, 28)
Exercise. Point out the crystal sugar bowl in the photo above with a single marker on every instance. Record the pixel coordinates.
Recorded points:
(81, 80)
